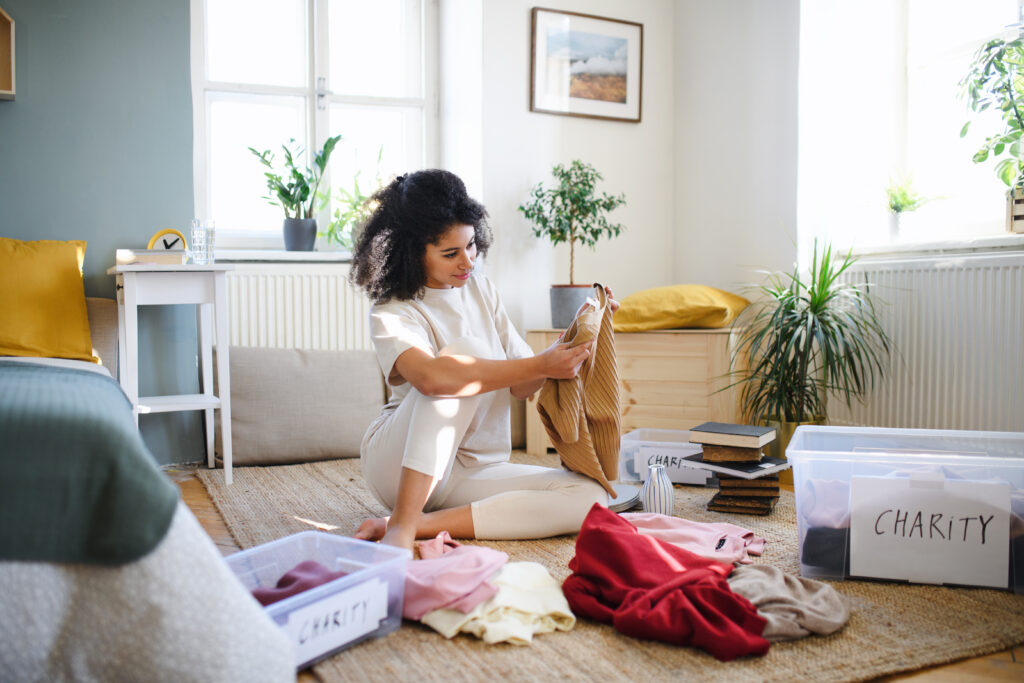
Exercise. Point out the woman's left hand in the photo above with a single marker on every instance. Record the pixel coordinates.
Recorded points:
(612, 303)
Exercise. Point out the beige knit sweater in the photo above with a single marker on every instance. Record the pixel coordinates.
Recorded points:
(581, 415)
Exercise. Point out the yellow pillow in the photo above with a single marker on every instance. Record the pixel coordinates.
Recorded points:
(42, 300)
(664, 308)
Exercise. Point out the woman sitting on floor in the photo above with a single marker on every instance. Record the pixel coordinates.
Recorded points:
(438, 454)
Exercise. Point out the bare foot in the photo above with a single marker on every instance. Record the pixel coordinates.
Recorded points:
(372, 529)
(400, 536)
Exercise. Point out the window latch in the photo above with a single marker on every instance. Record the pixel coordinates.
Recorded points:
(321, 93)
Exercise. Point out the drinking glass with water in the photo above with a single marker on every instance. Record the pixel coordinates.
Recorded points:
(203, 234)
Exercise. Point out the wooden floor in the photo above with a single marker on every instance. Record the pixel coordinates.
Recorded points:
(1002, 666)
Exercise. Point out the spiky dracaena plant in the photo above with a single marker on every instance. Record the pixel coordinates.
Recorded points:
(809, 338)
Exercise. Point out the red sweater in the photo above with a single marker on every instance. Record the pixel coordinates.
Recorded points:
(658, 591)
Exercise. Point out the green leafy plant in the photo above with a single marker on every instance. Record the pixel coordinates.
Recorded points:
(807, 338)
(902, 196)
(295, 191)
(996, 80)
(572, 211)
(352, 209)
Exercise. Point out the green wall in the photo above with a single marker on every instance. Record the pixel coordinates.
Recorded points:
(97, 145)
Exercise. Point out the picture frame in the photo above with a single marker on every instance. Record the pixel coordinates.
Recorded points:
(585, 65)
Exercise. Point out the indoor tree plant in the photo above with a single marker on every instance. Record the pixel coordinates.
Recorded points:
(806, 338)
(995, 80)
(296, 190)
(571, 211)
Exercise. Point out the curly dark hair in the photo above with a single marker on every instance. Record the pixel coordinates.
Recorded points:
(412, 211)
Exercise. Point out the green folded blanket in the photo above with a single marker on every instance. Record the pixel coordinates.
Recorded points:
(77, 483)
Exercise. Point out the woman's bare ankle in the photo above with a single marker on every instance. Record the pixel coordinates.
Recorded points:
(400, 535)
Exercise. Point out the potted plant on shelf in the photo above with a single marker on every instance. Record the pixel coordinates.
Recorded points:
(805, 339)
(902, 197)
(296, 191)
(995, 81)
(572, 212)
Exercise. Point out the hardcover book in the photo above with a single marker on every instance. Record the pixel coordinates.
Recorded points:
(714, 453)
(743, 470)
(727, 434)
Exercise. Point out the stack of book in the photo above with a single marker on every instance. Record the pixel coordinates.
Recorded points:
(748, 480)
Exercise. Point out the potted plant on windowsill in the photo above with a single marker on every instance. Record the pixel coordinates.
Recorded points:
(902, 198)
(995, 81)
(572, 212)
(296, 191)
(805, 339)
(352, 208)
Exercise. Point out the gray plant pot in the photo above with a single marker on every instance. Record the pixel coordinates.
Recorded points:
(565, 301)
(299, 234)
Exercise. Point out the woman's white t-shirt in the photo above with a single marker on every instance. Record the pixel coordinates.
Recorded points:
(431, 323)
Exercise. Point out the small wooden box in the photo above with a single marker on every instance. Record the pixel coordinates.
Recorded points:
(668, 379)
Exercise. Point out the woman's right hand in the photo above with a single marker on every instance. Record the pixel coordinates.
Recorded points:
(561, 361)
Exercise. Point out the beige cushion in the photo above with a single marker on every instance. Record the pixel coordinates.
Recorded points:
(299, 405)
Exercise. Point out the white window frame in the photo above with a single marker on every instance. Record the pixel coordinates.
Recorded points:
(849, 195)
(318, 100)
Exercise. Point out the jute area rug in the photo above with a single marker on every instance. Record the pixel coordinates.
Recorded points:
(893, 627)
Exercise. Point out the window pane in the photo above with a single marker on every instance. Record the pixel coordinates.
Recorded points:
(369, 59)
(256, 41)
(395, 133)
(236, 182)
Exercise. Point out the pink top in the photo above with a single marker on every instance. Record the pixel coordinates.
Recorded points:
(715, 540)
(450, 575)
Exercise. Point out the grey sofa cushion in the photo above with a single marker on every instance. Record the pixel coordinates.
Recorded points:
(299, 405)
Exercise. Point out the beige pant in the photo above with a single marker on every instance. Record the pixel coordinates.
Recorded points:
(507, 500)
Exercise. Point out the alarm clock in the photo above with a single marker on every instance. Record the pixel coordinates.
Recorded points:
(168, 239)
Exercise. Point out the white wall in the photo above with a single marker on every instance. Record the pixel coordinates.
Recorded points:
(521, 146)
(735, 123)
(709, 173)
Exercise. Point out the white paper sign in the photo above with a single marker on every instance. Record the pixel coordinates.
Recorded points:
(330, 623)
(672, 459)
(930, 530)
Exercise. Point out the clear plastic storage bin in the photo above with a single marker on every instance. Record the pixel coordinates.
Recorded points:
(661, 446)
(323, 620)
(925, 506)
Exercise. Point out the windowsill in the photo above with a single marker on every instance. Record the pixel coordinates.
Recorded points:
(992, 244)
(279, 256)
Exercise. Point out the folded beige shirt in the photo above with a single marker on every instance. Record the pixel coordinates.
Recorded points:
(581, 415)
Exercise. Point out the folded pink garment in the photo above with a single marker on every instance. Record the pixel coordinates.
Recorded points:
(451, 575)
(716, 540)
(302, 577)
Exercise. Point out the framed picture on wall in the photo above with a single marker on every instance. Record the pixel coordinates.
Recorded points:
(584, 65)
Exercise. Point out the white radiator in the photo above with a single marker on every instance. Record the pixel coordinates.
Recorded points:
(308, 306)
(957, 324)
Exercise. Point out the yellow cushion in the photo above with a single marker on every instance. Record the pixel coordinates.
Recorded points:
(42, 300)
(664, 308)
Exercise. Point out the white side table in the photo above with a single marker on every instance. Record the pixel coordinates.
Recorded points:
(206, 286)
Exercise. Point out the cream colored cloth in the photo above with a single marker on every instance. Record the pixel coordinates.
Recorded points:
(529, 602)
(794, 607)
(581, 415)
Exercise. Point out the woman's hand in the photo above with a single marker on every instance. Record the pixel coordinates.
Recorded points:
(613, 305)
(561, 361)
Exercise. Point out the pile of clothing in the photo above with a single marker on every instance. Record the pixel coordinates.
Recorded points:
(647, 581)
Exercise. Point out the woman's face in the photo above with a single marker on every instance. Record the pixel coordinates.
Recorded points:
(449, 262)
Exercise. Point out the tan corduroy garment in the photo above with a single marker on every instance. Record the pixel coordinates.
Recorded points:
(581, 415)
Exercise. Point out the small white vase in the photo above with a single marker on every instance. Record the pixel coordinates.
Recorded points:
(657, 494)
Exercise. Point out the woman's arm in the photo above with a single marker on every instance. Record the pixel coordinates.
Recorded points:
(461, 375)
